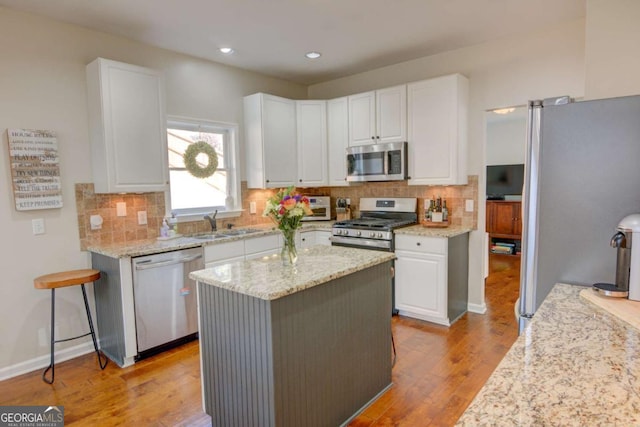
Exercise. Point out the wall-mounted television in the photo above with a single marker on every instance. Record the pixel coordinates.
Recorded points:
(504, 180)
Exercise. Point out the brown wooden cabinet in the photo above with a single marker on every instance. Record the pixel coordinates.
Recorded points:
(504, 222)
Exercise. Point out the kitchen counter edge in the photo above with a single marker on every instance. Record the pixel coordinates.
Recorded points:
(266, 278)
(420, 230)
(154, 246)
(574, 364)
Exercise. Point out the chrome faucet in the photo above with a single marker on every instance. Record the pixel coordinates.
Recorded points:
(212, 220)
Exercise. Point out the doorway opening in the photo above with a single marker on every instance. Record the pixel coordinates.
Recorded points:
(506, 130)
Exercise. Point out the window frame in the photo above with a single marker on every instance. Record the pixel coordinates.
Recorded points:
(232, 157)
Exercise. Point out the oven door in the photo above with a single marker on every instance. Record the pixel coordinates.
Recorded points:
(373, 244)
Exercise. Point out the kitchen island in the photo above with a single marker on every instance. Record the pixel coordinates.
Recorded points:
(574, 365)
(305, 345)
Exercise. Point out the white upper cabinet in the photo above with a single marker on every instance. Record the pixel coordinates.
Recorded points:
(378, 116)
(437, 131)
(338, 140)
(270, 141)
(127, 127)
(311, 122)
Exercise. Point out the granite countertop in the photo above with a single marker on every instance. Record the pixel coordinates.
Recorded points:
(153, 246)
(268, 279)
(420, 230)
(574, 365)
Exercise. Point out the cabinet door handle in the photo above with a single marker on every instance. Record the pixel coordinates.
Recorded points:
(373, 137)
(417, 243)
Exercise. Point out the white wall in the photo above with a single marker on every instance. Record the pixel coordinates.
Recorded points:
(43, 86)
(501, 73)
(506, 141)
(612, 40)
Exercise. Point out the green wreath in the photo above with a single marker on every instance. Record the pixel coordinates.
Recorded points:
(190, 162)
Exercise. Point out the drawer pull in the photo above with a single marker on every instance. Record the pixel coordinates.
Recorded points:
(418, 243)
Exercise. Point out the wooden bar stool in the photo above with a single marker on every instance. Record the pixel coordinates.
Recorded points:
(60, 280)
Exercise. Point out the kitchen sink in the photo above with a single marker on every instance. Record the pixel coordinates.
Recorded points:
(225, 233)
(238, 232)
(208, 236)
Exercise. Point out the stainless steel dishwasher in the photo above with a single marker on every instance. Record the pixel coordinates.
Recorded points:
(165, 299)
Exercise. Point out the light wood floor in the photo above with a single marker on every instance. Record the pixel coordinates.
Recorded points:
(438, 372)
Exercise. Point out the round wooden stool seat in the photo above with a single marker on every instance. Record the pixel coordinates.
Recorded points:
(66, 278)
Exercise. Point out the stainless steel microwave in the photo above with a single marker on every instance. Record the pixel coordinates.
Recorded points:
(377, 162)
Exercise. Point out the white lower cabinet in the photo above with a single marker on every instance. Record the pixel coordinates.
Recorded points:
(307, 238)
(323, 238)
(421, 278)
(258, 247)
(222, 253)
(429, 284)
(239, 250)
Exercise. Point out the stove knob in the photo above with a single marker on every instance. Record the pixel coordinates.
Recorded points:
(372, 234)
(359, 233)
(380, 235)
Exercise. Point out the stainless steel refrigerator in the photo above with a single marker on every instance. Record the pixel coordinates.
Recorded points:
(582, 176)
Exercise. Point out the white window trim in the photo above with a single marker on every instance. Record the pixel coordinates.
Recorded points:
(195, 124)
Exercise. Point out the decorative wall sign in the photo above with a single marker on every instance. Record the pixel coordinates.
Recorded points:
(35, 170)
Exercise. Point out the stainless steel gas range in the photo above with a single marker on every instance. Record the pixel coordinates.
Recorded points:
(374, 229)
(378, 218)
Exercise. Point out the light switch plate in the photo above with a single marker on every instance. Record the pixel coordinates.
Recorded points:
(142, 217)
(468, 205)
(38, 226)
(252, 207)
(121, 209)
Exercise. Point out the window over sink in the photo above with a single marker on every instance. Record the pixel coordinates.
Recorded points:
(191, 197)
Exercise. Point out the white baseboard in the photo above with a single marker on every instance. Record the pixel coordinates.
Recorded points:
(477, 308)
(42, 362)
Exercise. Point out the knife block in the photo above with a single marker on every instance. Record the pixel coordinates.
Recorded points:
(343, 214)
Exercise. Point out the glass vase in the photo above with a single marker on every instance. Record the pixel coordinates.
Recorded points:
(289, 252)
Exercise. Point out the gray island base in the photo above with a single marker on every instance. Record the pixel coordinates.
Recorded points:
(303, 346)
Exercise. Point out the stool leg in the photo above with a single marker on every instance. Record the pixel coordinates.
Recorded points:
(93, 333)
(53, 340)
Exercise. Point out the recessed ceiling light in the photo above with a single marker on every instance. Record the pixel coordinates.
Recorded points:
(313, 55)
(226, 50)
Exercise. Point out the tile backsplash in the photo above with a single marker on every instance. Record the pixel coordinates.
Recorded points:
(126, 229)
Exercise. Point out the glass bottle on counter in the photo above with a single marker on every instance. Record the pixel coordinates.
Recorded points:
(445, 211)
(429, 211)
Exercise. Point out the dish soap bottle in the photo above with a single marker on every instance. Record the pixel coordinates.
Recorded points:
(164, 230)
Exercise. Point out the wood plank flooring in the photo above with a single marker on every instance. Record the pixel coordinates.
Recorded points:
(438, 372)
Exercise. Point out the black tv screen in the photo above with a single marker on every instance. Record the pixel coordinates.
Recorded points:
(504, 180)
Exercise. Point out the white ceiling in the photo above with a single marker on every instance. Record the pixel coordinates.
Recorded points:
(272, 36)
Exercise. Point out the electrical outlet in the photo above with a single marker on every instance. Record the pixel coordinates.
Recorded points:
(121, 209)
(468, 205)
(142, 217)
(252, 207)
(38, 226)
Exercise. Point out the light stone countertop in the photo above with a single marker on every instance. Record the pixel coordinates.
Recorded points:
(574, 365)
(268, 279)
(420, 230)
(153, 246)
